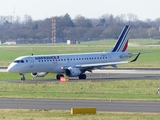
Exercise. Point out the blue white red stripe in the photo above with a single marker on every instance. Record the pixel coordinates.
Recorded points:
(122, 42)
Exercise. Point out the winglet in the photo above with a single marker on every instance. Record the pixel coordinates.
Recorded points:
(136, 57)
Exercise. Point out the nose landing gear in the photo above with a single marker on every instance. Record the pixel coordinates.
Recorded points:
(23, 76)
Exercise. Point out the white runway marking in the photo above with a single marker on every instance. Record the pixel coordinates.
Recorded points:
(127, 71)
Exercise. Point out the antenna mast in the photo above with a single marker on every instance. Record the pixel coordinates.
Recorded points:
(54, 30)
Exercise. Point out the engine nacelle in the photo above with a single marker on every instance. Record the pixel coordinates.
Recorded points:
(72, 72)
(39, 74)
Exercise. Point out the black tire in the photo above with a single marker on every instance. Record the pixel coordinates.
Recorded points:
(80, 76)
(58, 77)
(84, 76)
(61, 75)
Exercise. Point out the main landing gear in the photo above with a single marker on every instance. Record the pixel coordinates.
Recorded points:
(58, 76)
(82, 76)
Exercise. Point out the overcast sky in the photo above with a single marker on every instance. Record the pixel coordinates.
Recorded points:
(41, 9)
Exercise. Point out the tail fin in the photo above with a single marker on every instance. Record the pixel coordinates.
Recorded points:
(122, 42)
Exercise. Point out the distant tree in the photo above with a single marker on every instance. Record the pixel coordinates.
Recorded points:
(102, 21)
(152, 32)
(120, 19)
(81, 21)
(94, 32)
(132, 17)
(107, 26)
(68, 21)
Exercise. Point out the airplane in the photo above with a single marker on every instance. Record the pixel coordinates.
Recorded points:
(74, 65)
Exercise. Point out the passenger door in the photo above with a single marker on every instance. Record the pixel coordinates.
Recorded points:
(31, 60)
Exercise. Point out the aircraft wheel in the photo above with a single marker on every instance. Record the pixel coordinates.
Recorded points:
(61, 75)
(58, 77)
(82, 76)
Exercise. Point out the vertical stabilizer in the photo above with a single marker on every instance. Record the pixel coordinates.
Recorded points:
(122, 42)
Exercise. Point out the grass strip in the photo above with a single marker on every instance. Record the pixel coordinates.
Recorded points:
(20, 114)
(141, 90)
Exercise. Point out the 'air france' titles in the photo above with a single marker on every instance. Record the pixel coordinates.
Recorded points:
(46, 57)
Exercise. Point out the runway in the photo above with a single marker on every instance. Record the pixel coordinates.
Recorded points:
(114, 106)
(107, 74)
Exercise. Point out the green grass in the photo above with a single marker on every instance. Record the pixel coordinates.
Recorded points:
(16, 76)
(142, 90)
(10, 52)
(66, 115)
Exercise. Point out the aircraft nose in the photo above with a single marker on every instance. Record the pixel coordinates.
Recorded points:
(11, 68)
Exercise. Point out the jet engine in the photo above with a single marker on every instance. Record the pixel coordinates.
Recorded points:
(39, 74)
(72, 72)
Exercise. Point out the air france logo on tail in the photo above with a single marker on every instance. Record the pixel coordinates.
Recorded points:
(122, 42)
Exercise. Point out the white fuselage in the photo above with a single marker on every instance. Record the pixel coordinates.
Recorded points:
(54, 63)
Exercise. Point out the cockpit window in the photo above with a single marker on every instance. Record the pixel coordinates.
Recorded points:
(19, 61)
(16, 61)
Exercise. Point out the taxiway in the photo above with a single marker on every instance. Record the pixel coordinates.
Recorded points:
(114, 106)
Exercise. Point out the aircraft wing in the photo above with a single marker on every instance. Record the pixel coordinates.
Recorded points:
(101, 64)
(94, 65)
(107, 64)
